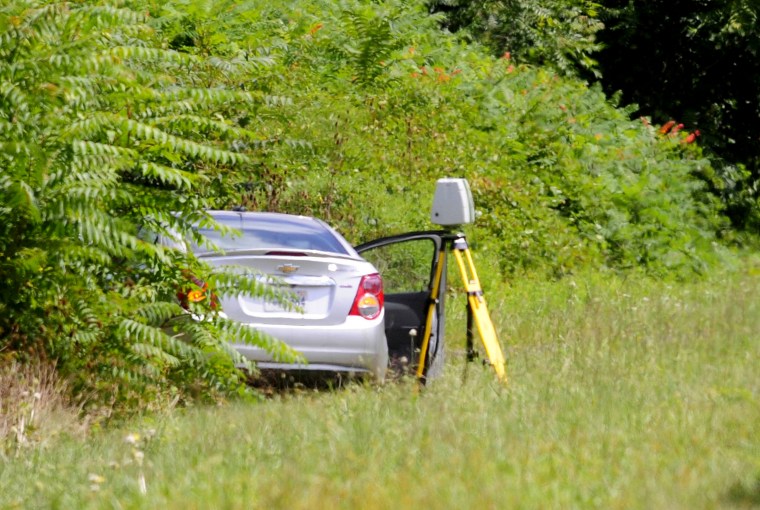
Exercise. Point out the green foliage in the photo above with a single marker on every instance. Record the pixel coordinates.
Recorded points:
(554, 33)
(104, 133)
(696, 62)
(563, 178)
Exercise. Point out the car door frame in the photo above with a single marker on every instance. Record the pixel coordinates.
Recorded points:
(424, 305)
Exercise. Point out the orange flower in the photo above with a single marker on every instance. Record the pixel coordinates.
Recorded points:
(692, 136)
(507, 55)
(666, 127)
(316, 28)
(196, 296)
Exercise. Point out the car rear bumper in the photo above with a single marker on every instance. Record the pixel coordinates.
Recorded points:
(357, 345)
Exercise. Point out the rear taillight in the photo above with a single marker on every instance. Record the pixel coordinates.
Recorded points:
(369, 298)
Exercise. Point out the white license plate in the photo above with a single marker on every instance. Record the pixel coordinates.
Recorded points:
(297, 298)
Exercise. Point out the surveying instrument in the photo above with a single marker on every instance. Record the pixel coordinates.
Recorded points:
(415, 317)
(453, 207)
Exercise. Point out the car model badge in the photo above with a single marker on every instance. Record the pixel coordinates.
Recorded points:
(288, 268)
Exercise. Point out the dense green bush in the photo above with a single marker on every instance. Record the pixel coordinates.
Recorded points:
(555, 33)
(707, 76)
(105, 133)
(385, 103)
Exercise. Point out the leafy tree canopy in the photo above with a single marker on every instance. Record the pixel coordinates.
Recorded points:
(692, 62)
(697, 63)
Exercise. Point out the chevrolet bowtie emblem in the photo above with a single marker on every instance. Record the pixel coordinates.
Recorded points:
(288, 268)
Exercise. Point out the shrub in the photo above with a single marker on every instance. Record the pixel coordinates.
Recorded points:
(106, 134)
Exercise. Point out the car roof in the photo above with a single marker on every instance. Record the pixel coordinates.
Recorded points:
(271, 216)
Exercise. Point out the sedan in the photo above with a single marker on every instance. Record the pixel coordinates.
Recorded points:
(335, 317)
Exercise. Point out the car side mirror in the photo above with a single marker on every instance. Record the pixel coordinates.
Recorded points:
(452, 203)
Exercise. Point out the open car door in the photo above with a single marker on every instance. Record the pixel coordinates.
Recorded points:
(414, 300)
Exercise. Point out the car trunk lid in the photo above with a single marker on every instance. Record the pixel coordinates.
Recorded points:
(318, 289)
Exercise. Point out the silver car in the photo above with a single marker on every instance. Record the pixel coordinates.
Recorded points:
(336, 319)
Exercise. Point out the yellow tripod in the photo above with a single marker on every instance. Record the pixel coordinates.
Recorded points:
(477, 311)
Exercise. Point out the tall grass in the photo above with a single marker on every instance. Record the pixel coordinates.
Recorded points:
(33, 407)
(623, 393)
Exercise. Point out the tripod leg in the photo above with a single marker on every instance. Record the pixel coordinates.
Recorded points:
(471, 352)
(422, 364)
(479, 310)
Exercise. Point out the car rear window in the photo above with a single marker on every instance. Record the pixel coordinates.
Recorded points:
(274, 233)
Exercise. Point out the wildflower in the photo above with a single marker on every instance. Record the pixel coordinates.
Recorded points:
(507, 55)
(132, 438)
(692, 137)
(411, 50)
(666, 127)
(316, 28)
(676, 129)
(93, 478)
(510, 68)
(95, 481)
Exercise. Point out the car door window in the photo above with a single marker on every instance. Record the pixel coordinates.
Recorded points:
(405, 266)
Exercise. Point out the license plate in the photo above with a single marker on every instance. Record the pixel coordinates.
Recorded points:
(296, 298)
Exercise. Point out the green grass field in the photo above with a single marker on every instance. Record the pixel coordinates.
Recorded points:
(622, 394)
